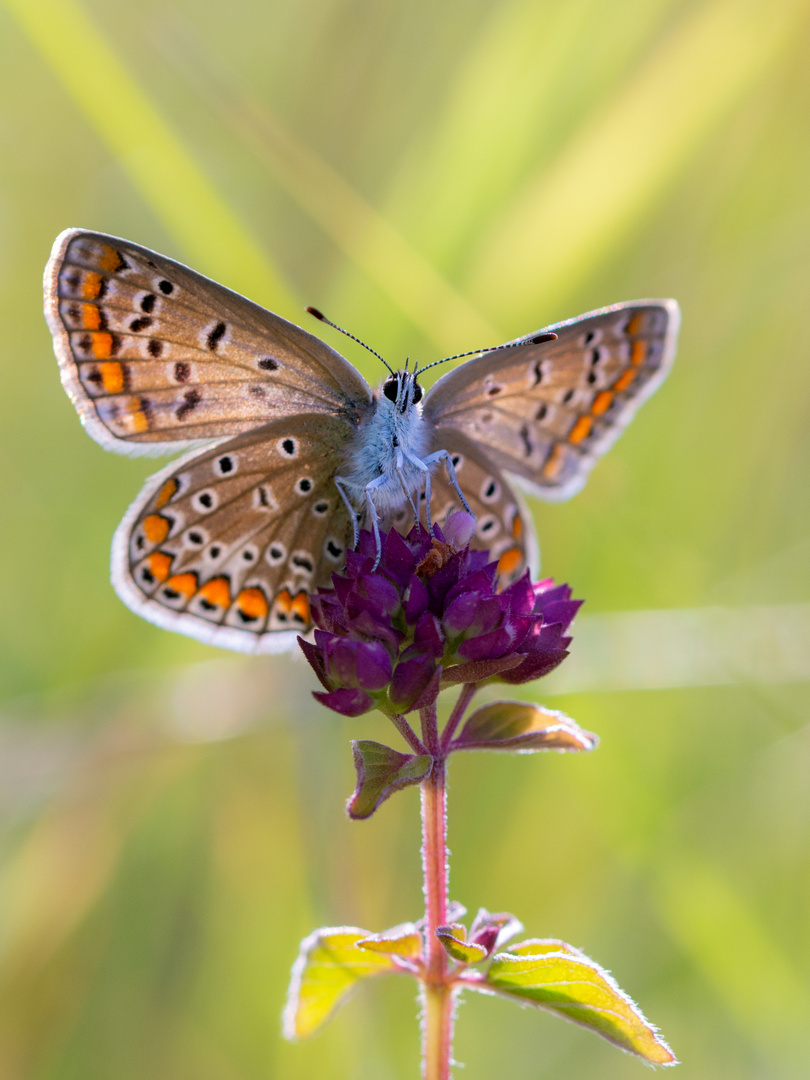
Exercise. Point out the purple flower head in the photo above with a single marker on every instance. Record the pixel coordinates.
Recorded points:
(430, 614)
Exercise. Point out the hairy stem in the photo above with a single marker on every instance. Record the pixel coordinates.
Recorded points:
(407, 733)
(437, 994)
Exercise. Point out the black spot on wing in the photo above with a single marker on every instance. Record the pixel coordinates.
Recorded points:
(191, 399)
(215, 336)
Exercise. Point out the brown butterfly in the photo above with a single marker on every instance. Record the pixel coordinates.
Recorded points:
(291, 450)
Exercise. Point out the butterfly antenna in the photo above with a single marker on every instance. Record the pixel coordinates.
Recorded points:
(320, 315)
(537, 340)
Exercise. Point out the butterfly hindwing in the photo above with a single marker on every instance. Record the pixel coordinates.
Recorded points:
(547, 411)
(154, 354)
(226, 544)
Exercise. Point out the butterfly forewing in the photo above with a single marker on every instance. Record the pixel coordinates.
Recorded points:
(155, 355)
(227, 543)
(547, 411)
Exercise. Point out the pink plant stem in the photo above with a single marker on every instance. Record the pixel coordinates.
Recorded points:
(437, 993)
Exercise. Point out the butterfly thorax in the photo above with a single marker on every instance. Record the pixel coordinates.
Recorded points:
(391, 440)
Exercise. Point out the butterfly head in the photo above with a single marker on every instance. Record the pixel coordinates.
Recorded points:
(402, 390)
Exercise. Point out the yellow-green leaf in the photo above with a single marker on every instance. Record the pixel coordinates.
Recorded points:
(453, 938)
(328, 968)
(555, 976)
(404, 940)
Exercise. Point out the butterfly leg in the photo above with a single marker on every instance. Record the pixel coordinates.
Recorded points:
(423, 466)
(444, 455)
(427, 503)
(353, 514)
(407, 494)
(378, 481)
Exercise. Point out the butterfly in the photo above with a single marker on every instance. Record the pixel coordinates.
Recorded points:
(288, 448)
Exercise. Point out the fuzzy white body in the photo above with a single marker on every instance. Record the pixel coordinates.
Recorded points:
(388, 454)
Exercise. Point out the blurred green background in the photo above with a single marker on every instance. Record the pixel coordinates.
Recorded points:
(436, 176)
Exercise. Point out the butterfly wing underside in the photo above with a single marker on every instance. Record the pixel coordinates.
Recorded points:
(546, 412)
(226, 544)
(155, 355)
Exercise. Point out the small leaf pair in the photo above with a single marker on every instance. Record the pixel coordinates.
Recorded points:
(513, 726)
(544, 972)
(486, 934)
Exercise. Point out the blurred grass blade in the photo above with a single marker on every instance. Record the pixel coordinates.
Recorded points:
(576, 211)
(359, 231)
(452, 177)
(152, 155)
(328, 968)
(566, 982)
(756, 644)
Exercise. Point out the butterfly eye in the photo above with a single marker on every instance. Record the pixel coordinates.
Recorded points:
(391, 387)
(417, 392)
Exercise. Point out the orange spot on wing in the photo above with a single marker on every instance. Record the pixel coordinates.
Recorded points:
(517, 526)
(624, 380)
(602, 402)
(156, 528)
(581, 429)
(91, 317)
(185, 584)
(112, 376)
(510, 560)
(552, 467)
(166, 492)
(253, 603)
(109, 259)
(283, 602)
(300, 606)
(91, 286)
(638, 353)
(635, 324)
(136, 418)
(102, 346)
(217, 591)
(160, 564)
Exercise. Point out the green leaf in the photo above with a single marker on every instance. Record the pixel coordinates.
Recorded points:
(453, 938)
(328, 968)
(404, 940)
(522, 728)
(558, 977)
(380, 772)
